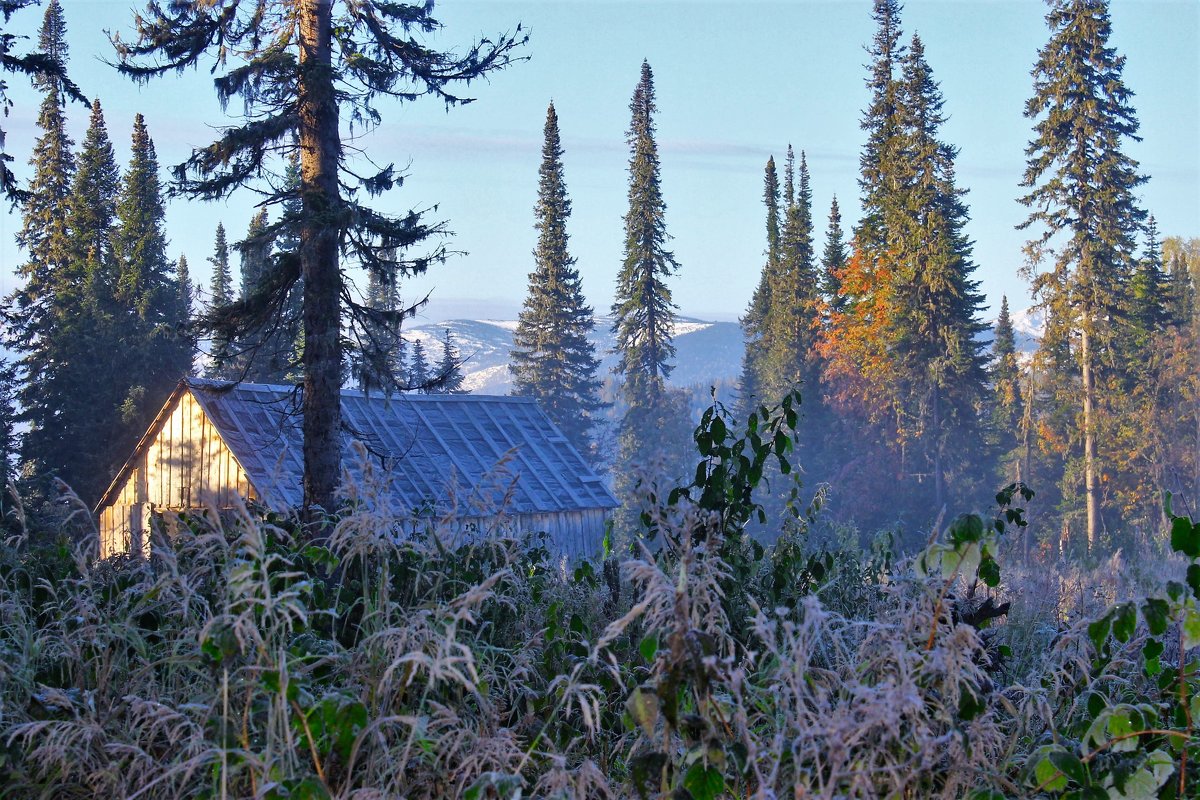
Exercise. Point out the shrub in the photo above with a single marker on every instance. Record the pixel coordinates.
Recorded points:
(240, 660)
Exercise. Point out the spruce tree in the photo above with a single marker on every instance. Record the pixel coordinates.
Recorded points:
(83, 393)
(790, 358)
(791, 361)
(8, 434)
(655, 424)
(380, 367)
(833, 260)
(1148, 302)
(449, 371)
(147, 313)
(221, 285)
(552, 358)
(1181, 292)
(643, 313)
(221, 356)
(94, 193)
(1007, 405)
(419, 376)
(265, 350)
(879, 157)
(1081, 195)
(255, 252)
(336, 59)
(47, 67)
(185, 311)
(754, 322)
(46, 310)
(937, 325)
(856, 338)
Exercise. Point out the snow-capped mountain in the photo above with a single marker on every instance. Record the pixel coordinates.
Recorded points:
(704, 351)
(1028, 325)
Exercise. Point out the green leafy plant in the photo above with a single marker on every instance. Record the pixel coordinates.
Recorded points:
(1136, 736)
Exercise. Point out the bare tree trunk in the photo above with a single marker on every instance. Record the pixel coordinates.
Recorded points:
(319, 148)
(939, 472)
(1195, 331)
(1089, 439)
(1025, 462)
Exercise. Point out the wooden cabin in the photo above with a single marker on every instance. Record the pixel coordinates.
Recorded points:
(433, 455)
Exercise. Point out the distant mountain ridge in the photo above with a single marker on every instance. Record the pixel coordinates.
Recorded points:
(706, 351)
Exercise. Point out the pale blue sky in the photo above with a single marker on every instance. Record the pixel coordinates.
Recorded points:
(736, 82)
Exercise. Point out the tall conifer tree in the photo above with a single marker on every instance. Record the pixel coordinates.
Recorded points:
(8, 434)
(1148, 301)
(879, 157)
(793, 310)
(380, 367)
(298, 68)
(552, 358)
(449, 372)
(937, 343)
(186, 296)
(146, 315)
(754, 322)
(221, 356)
(265, 350)
(419, 376)
(1081, 195)
(833, 259)
(1007, 402)
(644, 315)
(47, 68)
(83, 393)
(46, 310)
(655, 423)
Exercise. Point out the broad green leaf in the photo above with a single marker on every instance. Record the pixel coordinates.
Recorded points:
(1156, 611)
(951, 563)
(1070, 765)
(1144, 783)
(989, 572)
(704, 782)
(971, 558)
(1048, 776)
(966, 528)
(1124, 622)
(1191, 627)
(1098, 630)
(649, 647)
(642, 705)
(1097, 732)
(1120, 724)
(1185, 537)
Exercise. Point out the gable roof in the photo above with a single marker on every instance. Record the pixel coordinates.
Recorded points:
(422, 443)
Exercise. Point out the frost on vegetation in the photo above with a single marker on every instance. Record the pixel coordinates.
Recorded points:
(240, 660)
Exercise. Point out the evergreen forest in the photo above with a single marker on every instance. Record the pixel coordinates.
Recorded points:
(928, 543)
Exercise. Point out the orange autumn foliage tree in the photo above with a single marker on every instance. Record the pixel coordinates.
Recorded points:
(854, 343)
(861, 387)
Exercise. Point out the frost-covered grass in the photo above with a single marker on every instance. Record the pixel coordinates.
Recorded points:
(240, 661)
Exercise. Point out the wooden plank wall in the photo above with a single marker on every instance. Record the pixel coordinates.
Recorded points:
(186, 466)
